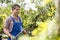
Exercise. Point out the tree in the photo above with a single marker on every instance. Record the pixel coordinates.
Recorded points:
(57, 2)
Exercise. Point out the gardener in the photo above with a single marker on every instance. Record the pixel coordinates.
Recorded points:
(13, 24)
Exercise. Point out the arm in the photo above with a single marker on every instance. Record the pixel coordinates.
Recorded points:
(7, 32)
(6, 25)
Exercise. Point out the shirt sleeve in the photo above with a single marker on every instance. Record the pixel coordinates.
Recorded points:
(6, 23)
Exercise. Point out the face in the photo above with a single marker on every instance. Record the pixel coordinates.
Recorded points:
(16, 10)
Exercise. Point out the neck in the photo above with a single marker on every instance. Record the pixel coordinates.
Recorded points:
(15, 15)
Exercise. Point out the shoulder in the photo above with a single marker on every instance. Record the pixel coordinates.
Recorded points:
(8, 19)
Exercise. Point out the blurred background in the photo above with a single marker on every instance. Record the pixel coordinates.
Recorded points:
(39, 17)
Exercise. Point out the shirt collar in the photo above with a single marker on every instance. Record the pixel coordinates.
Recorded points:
(12, 16)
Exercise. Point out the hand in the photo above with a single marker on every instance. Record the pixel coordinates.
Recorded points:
(25, 32)
(13, 38)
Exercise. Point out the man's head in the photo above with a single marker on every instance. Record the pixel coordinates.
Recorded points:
(15, 8)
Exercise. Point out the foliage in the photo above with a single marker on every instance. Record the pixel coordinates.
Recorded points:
(33, 21)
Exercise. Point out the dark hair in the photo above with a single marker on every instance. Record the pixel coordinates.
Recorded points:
(14, 6)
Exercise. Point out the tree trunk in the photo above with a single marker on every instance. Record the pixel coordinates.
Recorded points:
(57, 4)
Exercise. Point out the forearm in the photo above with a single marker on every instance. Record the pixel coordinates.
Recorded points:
(7, 33)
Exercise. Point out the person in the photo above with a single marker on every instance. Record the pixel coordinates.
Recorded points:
(13, 24)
